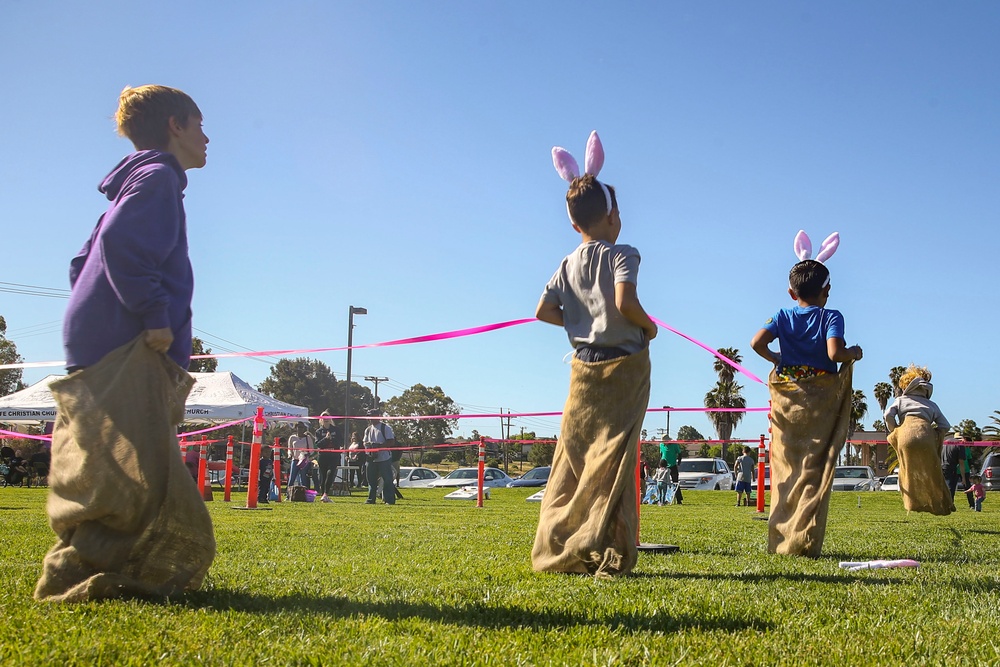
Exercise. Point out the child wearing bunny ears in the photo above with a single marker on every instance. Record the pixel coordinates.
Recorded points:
(811, 403)
(588, 522)
(593, 294)
(810, 336)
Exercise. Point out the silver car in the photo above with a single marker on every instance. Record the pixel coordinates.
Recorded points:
(492, 477)
(854, 478)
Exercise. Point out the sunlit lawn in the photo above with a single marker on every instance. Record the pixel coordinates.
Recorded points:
(434, 581)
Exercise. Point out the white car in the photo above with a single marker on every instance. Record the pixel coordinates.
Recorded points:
(492, 477)
(411, 478)
(890, 483)
(854, 478)
(704, 474)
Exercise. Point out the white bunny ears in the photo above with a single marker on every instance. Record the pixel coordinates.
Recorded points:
(568, 169)
(804, 249)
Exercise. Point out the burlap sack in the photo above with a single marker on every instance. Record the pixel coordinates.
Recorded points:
(810, 419)
(921, 481)
(588, 520)
(128, 517)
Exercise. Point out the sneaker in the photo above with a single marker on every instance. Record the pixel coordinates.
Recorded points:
(369, 502)
(325, 499)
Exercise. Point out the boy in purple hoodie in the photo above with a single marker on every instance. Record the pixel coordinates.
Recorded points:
(128, 518)
(133, 276)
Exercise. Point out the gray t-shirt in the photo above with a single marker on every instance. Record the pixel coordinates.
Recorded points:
(584, 287)
(744, 468)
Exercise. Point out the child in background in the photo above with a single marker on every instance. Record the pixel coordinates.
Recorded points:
(977, 492)
(744, 476)
(915, 400)
(265, 475)
(662, 478)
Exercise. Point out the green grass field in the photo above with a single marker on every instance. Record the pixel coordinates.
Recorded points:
(433, 581)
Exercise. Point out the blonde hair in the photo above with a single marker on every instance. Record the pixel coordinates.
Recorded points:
(911, 374)
(144, 114)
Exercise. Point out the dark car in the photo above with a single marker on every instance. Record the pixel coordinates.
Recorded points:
(534, 477)
(991, 472)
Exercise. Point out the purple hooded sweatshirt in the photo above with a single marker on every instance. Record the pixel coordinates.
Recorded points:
(134, 273)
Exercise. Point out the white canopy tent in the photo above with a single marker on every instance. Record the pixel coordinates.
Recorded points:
(218, 397)
(215, 397)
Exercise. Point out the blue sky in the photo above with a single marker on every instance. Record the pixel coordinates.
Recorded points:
(396, 156)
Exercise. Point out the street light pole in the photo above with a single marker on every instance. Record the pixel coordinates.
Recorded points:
(350, 343)
(668, 409)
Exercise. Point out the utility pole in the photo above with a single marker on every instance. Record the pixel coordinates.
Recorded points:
(376, 380)
(508, 427)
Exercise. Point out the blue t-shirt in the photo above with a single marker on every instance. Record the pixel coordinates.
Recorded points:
(802, 334)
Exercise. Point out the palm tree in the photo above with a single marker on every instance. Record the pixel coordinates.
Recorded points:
(726, 372)
(880, 426)
(992, 431)
(725, 394)
(883, 392)
(895, 373)
(859, 408)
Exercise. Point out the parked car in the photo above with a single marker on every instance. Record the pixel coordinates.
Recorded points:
(704, 474)
(492, 477)
(854, 478)
(416, 477)
(534, 477)
(890, 483)
(990, 472)
(767, 478)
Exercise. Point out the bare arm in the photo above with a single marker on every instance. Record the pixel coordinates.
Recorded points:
(549, 312)
(627, 302)
(760, 342)
(838, 351)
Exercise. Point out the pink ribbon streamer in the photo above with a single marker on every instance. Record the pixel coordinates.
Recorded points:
(710, 349)
(458, 333)
(15, 434)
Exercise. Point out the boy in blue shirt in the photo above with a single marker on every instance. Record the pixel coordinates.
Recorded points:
(810, 402)
(810, 336)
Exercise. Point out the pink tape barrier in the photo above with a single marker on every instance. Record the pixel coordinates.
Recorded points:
(729, 361)
(15, 434)
(458, 333)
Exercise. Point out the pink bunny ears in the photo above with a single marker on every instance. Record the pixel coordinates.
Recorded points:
(804, 249)
(568, 169)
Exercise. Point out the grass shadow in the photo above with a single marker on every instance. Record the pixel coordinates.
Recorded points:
(474, 614)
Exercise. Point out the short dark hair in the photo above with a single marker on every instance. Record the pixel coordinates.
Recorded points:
(808, 278)
(586, 201)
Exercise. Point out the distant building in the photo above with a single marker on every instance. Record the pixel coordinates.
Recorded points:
(873, 448)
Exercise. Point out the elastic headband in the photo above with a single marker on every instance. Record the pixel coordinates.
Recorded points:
(569, 170)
